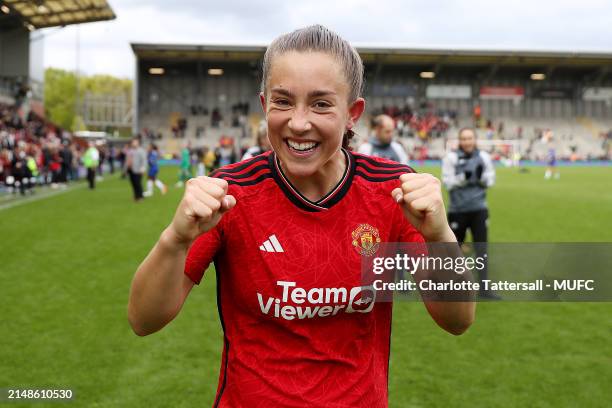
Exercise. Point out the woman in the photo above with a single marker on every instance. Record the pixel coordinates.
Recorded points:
(287, 231)
(153, 166)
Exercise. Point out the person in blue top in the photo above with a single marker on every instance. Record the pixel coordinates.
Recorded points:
(152, 158)
(551, 157)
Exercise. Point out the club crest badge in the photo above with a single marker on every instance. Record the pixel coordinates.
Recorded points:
(366, 239)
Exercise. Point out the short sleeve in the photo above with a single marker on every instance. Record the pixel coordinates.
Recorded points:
(201, 254)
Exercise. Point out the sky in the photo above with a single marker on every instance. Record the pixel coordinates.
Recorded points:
(558, 25)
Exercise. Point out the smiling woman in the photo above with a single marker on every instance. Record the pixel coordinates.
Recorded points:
(298, 218)
(310, 113)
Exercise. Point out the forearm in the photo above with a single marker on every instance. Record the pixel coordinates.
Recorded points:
(454, 317)
(423, 207)
(454, 311)
(157, 291)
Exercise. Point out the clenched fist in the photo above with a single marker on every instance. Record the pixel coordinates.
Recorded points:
(420, 197)
(203, 204)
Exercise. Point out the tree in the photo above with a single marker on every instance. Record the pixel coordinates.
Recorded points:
(61, 92)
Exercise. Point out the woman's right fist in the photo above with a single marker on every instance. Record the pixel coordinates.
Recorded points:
(203, 204)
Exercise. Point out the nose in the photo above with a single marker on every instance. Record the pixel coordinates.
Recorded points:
(299, 122)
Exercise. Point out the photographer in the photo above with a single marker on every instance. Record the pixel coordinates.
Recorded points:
(467, 173)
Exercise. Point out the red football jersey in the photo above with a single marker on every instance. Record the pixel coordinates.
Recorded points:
(298, 331)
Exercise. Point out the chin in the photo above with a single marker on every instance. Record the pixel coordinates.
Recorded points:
(300, 168)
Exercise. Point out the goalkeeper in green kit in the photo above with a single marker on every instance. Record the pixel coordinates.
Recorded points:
(185, 172)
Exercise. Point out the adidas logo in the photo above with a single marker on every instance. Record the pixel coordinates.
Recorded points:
(271, 245)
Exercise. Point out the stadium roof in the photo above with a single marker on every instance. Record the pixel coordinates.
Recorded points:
(386, 55)
(51, 13)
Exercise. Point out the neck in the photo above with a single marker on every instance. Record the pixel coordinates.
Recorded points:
(317, 185)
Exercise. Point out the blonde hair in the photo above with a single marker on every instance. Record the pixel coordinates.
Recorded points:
(317, 38)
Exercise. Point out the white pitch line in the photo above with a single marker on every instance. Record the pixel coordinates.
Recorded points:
(39, 197)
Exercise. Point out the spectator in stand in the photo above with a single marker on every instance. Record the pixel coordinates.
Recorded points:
(382, 144)
(215, 118)
(477, 115)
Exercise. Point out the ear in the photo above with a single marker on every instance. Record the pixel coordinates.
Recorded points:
(355, 111)
(262, 99)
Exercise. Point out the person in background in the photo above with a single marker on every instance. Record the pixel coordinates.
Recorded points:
(201, 168)
(551, 156)
(122, 157)
(103, 156)
(32, 170)
(137, 164)
(66, 159)
(477, 115)
(78, 169)
(225, 153)
(209, 160)
(55, 167)
(47, 156)
(261, 142)
(21, 172)
(423, 151)
(152, 158)
(90, 162)
(112, 156)
(467, 173)
(185, 171)
(382, 144)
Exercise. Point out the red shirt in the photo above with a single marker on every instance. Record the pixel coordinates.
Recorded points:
(298, 329)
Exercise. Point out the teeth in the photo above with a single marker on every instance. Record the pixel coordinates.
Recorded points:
(301, 146)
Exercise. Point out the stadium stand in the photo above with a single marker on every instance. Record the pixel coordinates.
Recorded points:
(189, 91)
(33, 151)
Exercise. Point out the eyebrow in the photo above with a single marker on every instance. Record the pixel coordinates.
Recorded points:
(312, 94)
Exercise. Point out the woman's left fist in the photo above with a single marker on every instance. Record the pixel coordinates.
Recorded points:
(420, 196)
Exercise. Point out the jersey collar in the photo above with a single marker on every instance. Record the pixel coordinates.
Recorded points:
(324, 203)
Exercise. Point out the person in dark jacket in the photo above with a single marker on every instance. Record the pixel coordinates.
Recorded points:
(467, 173)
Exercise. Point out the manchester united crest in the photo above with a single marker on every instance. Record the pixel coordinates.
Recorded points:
(366, 239)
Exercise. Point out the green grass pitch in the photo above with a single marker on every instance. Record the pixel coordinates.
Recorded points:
(66, 263)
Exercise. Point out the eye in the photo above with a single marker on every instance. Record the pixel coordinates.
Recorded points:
(281, 102)
(322, 105)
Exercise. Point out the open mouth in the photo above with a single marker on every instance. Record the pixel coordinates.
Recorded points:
(301, 147)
